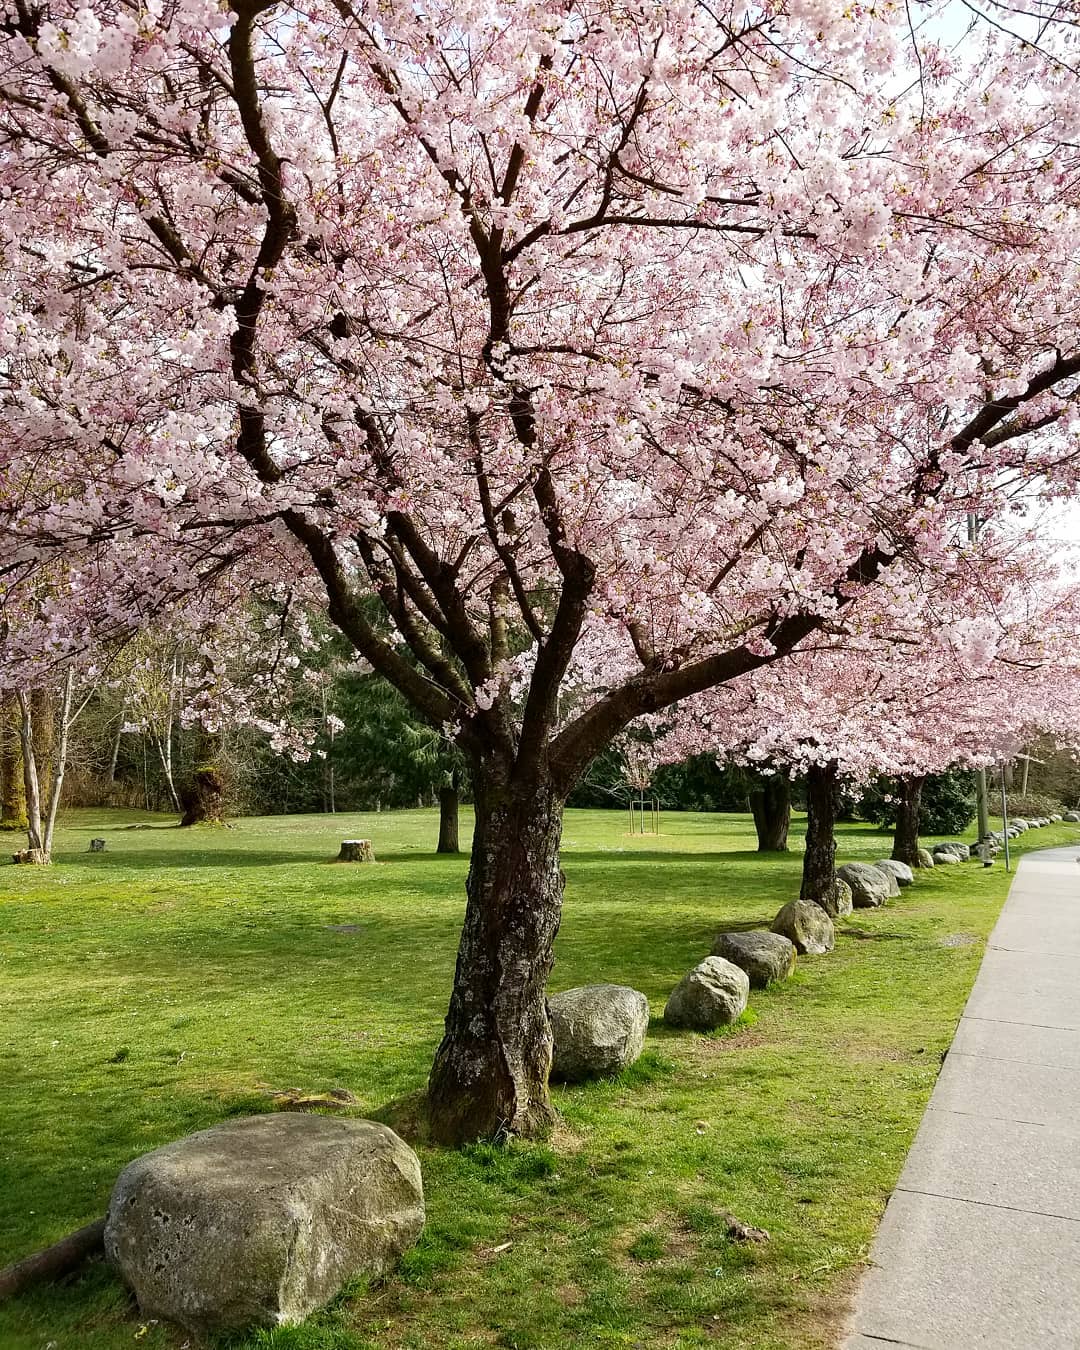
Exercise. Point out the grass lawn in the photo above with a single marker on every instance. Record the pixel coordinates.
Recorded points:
(175, 979)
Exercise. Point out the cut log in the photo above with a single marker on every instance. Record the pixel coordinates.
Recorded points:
(50, 1264)
(356, 850)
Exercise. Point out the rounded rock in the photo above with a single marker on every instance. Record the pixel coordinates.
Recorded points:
(764, 956)
(598, 1029)
(900, 870)
(870, 888)
(259, 1221)
(808, 926)
(711, 995)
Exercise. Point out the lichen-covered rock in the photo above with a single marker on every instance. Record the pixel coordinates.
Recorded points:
(1073, 817)
(945, 856)
(925, 857)
(259, 1221)
(837, 902)
(598, 1029)
(764, 956)
(962, 851)
(808, 926)
(1018, 824)
(900, 870)
(870, 888)
(711, 995)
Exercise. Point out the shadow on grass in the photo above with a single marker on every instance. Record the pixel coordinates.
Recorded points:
(865, 935)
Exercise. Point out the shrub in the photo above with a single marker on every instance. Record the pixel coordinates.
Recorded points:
(947, 805)
(1033, 804)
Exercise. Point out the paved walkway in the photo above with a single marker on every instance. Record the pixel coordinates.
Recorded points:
(980, 1243)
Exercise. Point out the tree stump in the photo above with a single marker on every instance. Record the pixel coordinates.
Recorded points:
(356, 850)
(97, 846)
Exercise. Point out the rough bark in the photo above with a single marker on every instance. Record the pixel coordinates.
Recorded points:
(203, 800)
(770, 801)
(906, 836)
(53, 1262)
(822, 807)
(490, 1076)
(13, 798)
(448, 820)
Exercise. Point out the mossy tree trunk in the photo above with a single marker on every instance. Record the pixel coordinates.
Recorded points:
(203, 800)
(449, 801)
(12, 787)
(770, 802)
(906, 836)
(822, 808)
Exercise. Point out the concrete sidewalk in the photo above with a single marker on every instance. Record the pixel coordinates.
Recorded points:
(980, 1243)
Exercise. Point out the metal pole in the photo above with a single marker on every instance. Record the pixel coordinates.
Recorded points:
(982, 794)
(1005, 819)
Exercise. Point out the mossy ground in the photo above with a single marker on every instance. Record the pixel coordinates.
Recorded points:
(180, 976)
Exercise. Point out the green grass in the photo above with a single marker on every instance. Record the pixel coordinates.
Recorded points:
(178, 977)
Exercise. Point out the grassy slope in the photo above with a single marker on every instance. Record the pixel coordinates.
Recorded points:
(151, 990)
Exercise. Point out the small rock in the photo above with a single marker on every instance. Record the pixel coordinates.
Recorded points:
(945, 856)
(764, 956)
(926, 858)
(808, 927)
(900, 870)
(870, 888)
(1073, 817)
(259, 1221)
(598, 1029)
(96, 846)
(711, 995)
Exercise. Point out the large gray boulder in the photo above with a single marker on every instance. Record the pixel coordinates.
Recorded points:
(808, 927)
(870, 888)
(836, 902)
(259, 1221)
(900, 870)
(1073, 817)
(598, 1030)
(1018, 824)
(944, 856)
(764, 956)
(711, 995)
(925, 857)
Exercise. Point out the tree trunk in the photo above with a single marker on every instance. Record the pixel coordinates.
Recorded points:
(41, 708)
(448, 819)
(35, 846)
(490, 1076)
(906, 838)
(770, 802)
(13, 800)
(203, 800)
(822, 806)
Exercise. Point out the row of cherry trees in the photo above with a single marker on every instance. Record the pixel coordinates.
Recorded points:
(577, 360)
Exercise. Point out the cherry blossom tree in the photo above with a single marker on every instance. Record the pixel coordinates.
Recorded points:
(586, 356)
(991, 661)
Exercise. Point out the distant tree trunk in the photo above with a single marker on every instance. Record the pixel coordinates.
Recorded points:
(41, 706)
(822, 807)
(41, 810)
(906, 838)
(13, 800)
(448, 818)
(770, 802)
(203, 800)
